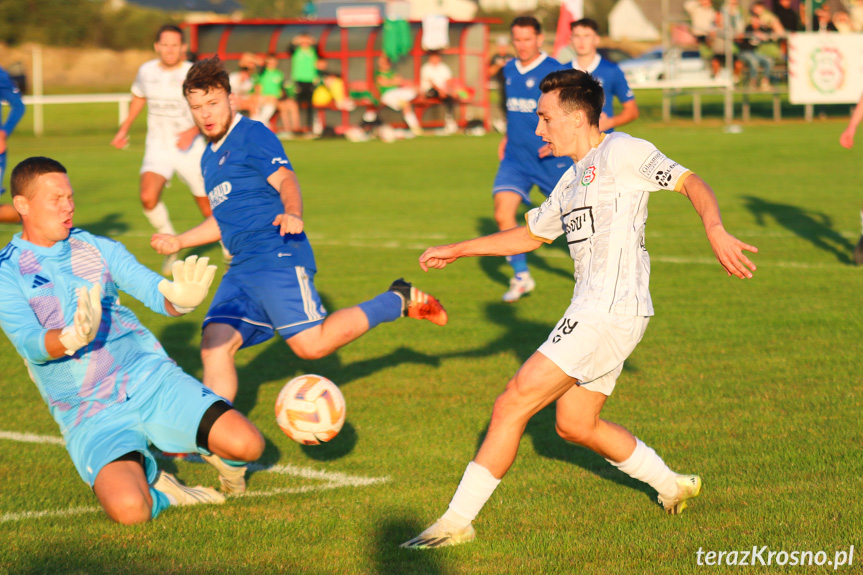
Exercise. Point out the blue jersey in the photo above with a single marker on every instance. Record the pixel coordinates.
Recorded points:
(10, 94)
(522, 98)
(613, 83)
(244, 204)
(37, 294)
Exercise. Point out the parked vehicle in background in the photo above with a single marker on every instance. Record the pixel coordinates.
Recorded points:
(651, 66)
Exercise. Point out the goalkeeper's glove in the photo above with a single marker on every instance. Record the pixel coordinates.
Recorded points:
(192, 279)
(86, 322)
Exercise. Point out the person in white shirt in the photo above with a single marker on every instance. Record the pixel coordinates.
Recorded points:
(436, 82)
(600, 205)
(172, 143)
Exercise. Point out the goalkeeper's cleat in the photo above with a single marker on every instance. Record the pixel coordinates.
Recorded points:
(182, 495)
(168, 265)
(442, 533)
(232, 477)
(418, 304)
(521, 285)
(688, 486)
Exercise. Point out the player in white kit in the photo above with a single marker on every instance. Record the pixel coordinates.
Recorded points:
(173, 143)
(600, 205)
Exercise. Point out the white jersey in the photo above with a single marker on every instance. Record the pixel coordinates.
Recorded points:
(167, 110)
(600, 203)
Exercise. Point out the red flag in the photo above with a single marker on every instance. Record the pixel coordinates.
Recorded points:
(570, 11)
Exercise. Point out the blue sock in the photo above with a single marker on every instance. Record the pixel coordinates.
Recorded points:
(383, 308)
(518, 263)
(2, 171)
(160, 502)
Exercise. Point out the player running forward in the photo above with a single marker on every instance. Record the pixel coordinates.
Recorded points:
(258, 213)
(10, 94)
(524, 159)
(584, 40)
(172, 144)
(106, 379)
(600, 205)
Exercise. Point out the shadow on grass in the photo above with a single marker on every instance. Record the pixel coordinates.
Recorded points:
(389, 558)
(110, 225)
(814, 227)
(499, 272)
(278, 362)
(522, 338)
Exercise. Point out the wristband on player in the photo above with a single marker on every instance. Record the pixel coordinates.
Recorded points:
(85, 323)
(192, 280)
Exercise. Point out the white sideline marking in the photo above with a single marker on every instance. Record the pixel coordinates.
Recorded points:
(329, 480)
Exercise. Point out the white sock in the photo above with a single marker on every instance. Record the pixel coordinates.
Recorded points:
(645, 465)
(861, 222)
(475, 488)
(160, 219)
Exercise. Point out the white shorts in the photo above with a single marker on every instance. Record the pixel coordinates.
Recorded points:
(165, 160)
(591, 346)
(396, 97)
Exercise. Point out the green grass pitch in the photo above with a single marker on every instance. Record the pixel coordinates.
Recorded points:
(755, 385)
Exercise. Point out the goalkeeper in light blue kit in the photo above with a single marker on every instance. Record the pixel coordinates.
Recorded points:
(106, 379)
(10, 94)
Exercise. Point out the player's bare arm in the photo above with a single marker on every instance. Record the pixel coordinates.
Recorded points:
(186, 137)
(727, 249)
(121, 138)
(285, 181)
(628, 114)
(206, 232)
(847, 137)
(506, 243)
(2, 141)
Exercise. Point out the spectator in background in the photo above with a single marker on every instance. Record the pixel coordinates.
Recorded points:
(823, 21)
(788, 16)
(243, 85)
(768, 19)
(269, 89)
(703, 17)
(436, 82)
(842, 22)
(855, 9)
(495, 73)
(10, 94)
(736, 25)
(395, 93)
(306, 63)
(757, 37)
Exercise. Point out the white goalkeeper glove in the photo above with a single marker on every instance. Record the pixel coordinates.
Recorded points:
(192, 279)
(86, 322)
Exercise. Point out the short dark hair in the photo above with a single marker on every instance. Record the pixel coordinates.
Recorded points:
(26, 172)
(585, 23)
(205, 75)
(577, 90)
(170, 28)
(526, 22)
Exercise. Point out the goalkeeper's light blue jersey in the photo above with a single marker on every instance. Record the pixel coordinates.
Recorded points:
(37, 294)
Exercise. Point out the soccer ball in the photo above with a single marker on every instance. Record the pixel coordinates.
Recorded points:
(310, 409)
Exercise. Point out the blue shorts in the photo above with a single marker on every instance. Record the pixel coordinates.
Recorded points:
(167, 415)
(261, 302)
(519, 177)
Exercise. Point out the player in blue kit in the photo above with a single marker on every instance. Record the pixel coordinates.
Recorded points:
(11, 95)
(107, 381)
(257, 212)
(585, 41)
(524, 158)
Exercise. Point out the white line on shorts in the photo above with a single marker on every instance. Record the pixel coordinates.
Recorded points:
(328, 480)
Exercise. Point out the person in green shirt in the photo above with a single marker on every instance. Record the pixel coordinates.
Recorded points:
(306, 62)
(395, 94)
